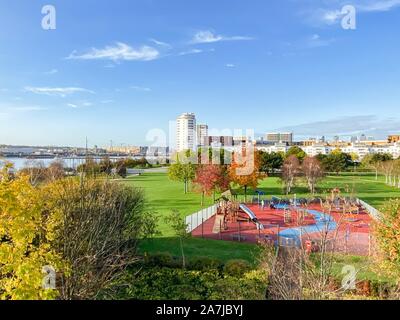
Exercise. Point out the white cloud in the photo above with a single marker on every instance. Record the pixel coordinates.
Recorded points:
(138, 88)
(53, 91)
(161, 43)
(333, 14)
(107, 101)
(118, 52)
(80, 104)
(230, 65)
(52, 71)
(315, 41)
(207, 36)
(194, 51)
(378, 5)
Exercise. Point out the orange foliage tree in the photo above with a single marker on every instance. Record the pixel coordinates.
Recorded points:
(211, 178)
(245, 169)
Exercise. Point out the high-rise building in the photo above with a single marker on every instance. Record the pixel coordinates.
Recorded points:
(202, 133)
(186, 132)
(394, 138)
(277, 137)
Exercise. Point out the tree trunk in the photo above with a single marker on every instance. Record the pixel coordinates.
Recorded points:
(202, 199)
(245, 194)
(183, 254)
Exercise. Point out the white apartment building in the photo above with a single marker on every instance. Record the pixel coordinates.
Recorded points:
(316, 149)
(186, 132)
(202, 134)
(360, 150)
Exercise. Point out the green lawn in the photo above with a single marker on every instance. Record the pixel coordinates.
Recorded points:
(164, 195)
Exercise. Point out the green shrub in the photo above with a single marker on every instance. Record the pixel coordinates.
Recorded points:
(204, 264)
(160, 259)
(180, 284)
(236, 267)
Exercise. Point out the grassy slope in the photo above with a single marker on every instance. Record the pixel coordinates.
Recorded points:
(164, 195)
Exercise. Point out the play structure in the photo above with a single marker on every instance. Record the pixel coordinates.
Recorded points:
(292, 222)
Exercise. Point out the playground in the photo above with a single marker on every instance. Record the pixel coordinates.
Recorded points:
(342, 224)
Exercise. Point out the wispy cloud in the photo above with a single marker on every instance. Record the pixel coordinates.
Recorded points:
(230, 65)
(316, 41)
(347, 126)
(119, 52)
(107, 101)
(80, 104)
(333, 14)
(139, 88)
(161, 43)
(7, 108)
(57, 91)
(208, 36)
(194, 51)
(52, 71)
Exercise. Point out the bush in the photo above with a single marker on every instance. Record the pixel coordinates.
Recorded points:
(237, 267)
(180, 284)
(204, 264)
(162, 259)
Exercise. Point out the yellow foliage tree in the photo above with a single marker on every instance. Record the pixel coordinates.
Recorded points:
(245, 169)
(26, 231)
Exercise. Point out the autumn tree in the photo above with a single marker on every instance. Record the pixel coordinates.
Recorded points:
(245, 169)
(26, 232)
(290, 171)
(210, 179)
(387, 234)
(183, 169)
(313, 172)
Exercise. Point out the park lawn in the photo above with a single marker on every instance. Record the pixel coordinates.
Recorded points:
(163, 196)
(365, 187)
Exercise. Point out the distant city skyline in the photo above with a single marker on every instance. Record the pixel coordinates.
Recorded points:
(116, 70)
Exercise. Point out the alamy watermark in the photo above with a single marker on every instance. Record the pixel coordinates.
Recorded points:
(349, 19)
(49, 21)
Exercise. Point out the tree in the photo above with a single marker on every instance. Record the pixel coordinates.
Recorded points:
(100, 224)
(374, 161)
(26, 231)
(244, 170)
(211, 178)
(180, 228)
(313, 172)
(290, 170)
(182, 171)
(387, 234)
(55, 170)
(296, 151)
(336, 161)
(269, 162)
(106, 165)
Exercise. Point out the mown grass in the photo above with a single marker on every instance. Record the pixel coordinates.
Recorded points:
(163, 196)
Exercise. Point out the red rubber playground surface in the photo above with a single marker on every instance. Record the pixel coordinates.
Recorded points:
(349, 233)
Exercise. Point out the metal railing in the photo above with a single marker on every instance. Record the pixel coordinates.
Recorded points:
(371, 210)
(197, 219)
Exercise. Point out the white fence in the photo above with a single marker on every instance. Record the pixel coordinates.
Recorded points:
(196, 219)
(372, 211)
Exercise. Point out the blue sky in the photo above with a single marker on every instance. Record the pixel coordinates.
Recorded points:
(113, 70)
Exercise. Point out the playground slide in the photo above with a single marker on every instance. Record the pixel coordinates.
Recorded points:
(252, 216)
